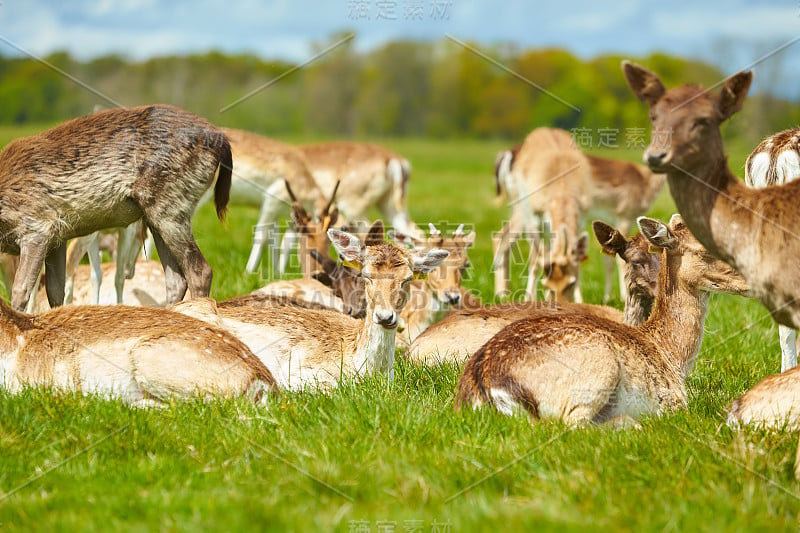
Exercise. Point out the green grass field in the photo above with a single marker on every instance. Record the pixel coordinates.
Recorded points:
(378, 456)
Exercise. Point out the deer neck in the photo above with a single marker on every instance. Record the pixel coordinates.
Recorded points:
(709, 199)
(374, 347)
(676, 324)
(637, 309)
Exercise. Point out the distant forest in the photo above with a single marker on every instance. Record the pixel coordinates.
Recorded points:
(404, 88)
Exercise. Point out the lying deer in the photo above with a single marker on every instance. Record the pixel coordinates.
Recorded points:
(370, 176)
(775, 161)
(547, 186)
(304, 347)
(620, 191)
(462, 333)
(141, 355)
(773, 403)
(110, 169)
(583, 368)
(751, 229)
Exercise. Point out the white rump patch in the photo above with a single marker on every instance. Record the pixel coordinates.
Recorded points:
(787, 166)
(756, 171)
(505, 403)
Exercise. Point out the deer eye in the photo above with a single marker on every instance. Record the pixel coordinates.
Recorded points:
(701, 123)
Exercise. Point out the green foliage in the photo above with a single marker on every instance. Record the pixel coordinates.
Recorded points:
(403, 88)
(372, 452)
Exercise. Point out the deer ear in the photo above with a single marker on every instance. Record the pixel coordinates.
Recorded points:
(323, 278)
(611, 240)
(581, 248)
(347, 246)
(300, 217)
(657, 233)
(375, 234)
(426, 261)
(733, 92)
(469, 238)
(645, 85)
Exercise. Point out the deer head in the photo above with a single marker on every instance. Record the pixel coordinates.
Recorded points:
(561, 264)
(685, 120)
(387, 271)
(445, 280)
(313, 230)
(689, 261)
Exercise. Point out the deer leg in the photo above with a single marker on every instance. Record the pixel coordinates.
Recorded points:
(55, 265)
(533, 268)
(608, 264)
(176, 282)
(31, 259)
(577, 295)
(265, 233)
(288, 242)
(502, 243)
(127, 251)
(75, 251)
(93, 250)
(788, 341)
(148, 245)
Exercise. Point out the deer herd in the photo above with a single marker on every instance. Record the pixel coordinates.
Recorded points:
(134, 172)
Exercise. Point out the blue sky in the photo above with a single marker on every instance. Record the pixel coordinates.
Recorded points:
(731, 34)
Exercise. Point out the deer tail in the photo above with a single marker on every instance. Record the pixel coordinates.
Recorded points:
(222, 190)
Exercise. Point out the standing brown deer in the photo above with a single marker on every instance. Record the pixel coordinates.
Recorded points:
(110, 169)
(262, 167)
(370, 175)
(775, 161)
(582, 368)
(548, 183)
(754, 230)
(620, 191)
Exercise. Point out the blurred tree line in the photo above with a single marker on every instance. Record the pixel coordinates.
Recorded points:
(403, 88)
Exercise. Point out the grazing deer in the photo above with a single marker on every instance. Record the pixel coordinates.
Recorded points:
(313, 237)
(583, 368)
(773, 403)
(751, 229)
(775, 161)
(304, 347)
(547, 186)
(110, 169)
(370, 175)
(461, 333)
(620, 191)
(141, 355)
(261, 167)
(430, 299)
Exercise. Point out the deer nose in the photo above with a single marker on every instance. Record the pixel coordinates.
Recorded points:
(385, 318)
(452, 297)
(655, 157)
